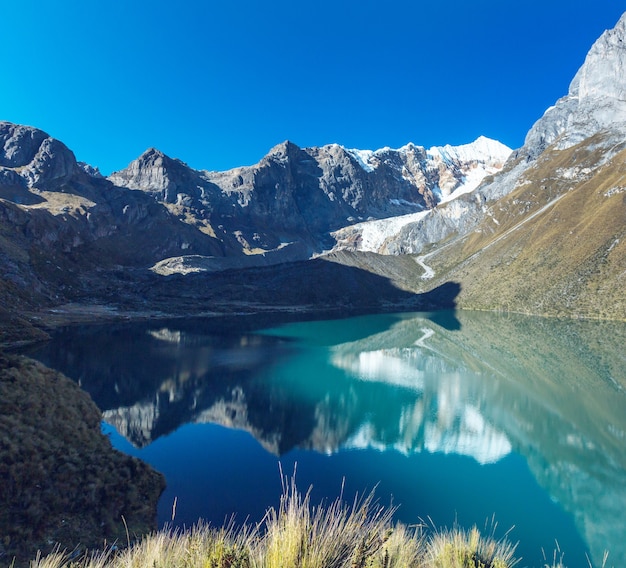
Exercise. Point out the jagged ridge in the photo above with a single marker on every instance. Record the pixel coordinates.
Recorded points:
(296, 194)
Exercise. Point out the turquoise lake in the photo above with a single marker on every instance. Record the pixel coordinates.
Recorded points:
(514, 424)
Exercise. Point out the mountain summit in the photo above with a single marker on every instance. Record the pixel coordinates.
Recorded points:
(297, 196)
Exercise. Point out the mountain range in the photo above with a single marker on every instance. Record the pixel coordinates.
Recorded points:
(537, 230)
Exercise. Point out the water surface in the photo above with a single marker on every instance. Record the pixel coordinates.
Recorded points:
(455, 418)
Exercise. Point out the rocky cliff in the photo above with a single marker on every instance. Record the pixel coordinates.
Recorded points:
(595, 102)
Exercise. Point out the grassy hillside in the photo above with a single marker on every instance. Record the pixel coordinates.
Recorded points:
(554, 246)
(60, 479)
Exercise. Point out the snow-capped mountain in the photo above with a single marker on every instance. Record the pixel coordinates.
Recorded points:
(450, 170)
(594, 106)
(470, 162)
(480, 157)
(299, 195)
(559, 197)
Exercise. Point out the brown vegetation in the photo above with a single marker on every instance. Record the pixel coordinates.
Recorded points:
(567, 260)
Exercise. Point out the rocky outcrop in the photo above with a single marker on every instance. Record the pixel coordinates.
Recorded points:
(165, 179)
(31, 158)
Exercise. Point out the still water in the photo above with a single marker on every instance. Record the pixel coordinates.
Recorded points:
(510, 423)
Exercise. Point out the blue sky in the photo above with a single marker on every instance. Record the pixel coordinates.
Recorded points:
(217, 84)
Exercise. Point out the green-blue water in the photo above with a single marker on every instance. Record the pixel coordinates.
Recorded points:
(467, 418)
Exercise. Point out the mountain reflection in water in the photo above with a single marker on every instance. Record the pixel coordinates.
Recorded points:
(478, 385)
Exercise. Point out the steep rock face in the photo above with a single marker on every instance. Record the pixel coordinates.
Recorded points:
(596, 100)
(161, 176)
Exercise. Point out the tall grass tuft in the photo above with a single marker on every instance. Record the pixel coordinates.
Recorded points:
(459, 548)
(200, 546)
(299, 535)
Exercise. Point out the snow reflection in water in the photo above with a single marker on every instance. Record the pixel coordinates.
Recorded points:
(405, 401)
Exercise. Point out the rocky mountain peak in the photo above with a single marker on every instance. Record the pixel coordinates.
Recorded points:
(596, 101)
(284, 151)
(484, 151)
(153, 154)
(602, 74)
(153, 157)
(19, 144)
(29, 157)
(155, 173)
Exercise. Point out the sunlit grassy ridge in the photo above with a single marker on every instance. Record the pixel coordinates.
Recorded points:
(297, 535)
(569, 260)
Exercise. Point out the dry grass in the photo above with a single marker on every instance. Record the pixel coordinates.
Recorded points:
(297, 535)
(568, 260)
(320, 537)
(59, 203)
(200, 546)
(458, 548)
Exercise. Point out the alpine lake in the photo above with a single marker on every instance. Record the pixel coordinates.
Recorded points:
(514, 424)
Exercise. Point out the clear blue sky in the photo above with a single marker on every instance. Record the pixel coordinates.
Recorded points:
(217, 84)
